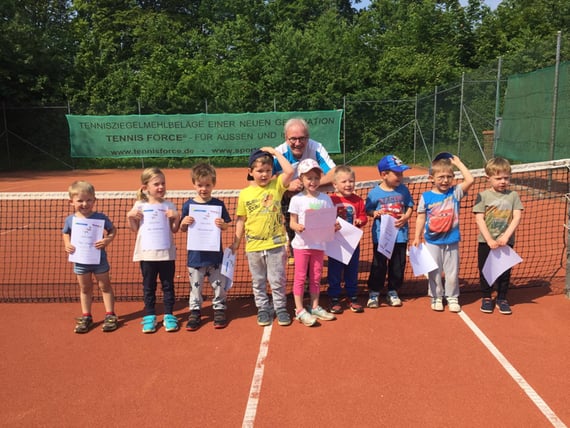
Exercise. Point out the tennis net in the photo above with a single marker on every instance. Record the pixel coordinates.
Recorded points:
(35, 266)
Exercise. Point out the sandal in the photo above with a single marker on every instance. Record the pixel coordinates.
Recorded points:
(83, 324)
(110, 323)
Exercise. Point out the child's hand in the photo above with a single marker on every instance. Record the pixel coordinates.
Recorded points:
(171, 214)
(401, 221)
(501, 241)
(101, 243)
(299, 228)
(455, 161)
(69, 249)
(416, 242)
(358, 222)
(496, 243)
(188, 220)
(220, 223)
(135, 214)
(269, 150)
(337, 226)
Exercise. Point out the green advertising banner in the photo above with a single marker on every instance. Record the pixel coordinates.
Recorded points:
(198, 135)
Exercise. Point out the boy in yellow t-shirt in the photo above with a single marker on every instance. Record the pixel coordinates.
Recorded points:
(259, 219)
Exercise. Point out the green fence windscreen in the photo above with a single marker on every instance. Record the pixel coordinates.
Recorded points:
(525, 132)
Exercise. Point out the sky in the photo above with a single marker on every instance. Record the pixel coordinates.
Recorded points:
(491, 3)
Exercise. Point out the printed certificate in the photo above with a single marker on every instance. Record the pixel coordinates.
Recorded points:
(84, 233)
(203, 234)
(155, 227)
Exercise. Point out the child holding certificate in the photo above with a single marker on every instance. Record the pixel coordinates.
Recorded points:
(260, 222)
(85, 242)
(350, 207)
(155, 220)
(438, 221)
(498, 213)
(389, 198)
(309, 250)
(204, 217)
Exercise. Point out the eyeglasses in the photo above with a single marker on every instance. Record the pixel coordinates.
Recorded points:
(444, 177)
(298, 139)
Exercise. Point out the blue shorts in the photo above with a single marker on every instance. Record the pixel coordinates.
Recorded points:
(82, 269)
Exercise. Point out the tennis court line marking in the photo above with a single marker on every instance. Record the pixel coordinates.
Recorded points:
(517, 377)
(255, 389)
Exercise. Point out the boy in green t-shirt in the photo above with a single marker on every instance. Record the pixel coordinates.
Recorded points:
(497, 213)
(259, 219)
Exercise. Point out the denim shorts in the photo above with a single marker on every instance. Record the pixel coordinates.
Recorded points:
(82, 269)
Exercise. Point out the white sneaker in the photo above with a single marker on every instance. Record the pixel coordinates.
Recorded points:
(393, 299)
(437, 304)
(453, 304)
(321, 314)
(373, 301)
(306, 318)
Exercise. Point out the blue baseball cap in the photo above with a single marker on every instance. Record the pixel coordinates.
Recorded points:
(392, 163)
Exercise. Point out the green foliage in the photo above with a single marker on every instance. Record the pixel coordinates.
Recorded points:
(174, 56)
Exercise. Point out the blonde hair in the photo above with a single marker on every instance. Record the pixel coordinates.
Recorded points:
(203, 170)
(497, 165)
(147, 175)
(339, 169)
(80, 186)
(441, 165)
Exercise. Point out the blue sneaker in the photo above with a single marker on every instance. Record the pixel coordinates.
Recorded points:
(487, 305)
(149, 324)
(504, 307)
(170, 323)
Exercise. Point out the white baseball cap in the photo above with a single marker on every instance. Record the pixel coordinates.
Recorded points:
(306, 165)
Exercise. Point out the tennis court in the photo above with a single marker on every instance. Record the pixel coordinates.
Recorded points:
(396, 367)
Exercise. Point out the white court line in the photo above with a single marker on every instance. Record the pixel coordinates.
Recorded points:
(532, 394)
(254, 391)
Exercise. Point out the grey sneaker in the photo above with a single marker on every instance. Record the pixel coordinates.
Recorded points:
(306, 318)
(283, 317)
(373, 300)
(393, 299)
(437, 304)
(264, 318)
(321, 314)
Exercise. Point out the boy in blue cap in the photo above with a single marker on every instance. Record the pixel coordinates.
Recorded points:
(389, 197)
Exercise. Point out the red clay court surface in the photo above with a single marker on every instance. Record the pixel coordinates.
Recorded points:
(387, 367)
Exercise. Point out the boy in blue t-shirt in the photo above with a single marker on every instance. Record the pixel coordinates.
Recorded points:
(438, 219)
(390, 197)
(203, 264)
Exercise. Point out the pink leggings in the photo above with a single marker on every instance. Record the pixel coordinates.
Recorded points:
(313, 261)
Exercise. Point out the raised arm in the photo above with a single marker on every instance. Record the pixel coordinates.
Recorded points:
(467, 177)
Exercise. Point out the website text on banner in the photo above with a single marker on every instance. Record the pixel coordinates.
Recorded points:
(197, 135)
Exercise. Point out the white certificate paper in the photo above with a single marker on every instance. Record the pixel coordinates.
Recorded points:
(498, 261)
(203, 234)
(319, 226)
(421, 260)
(345, 241)
(155, 227)
(227, 268)
(388, 234)
(84, 233)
